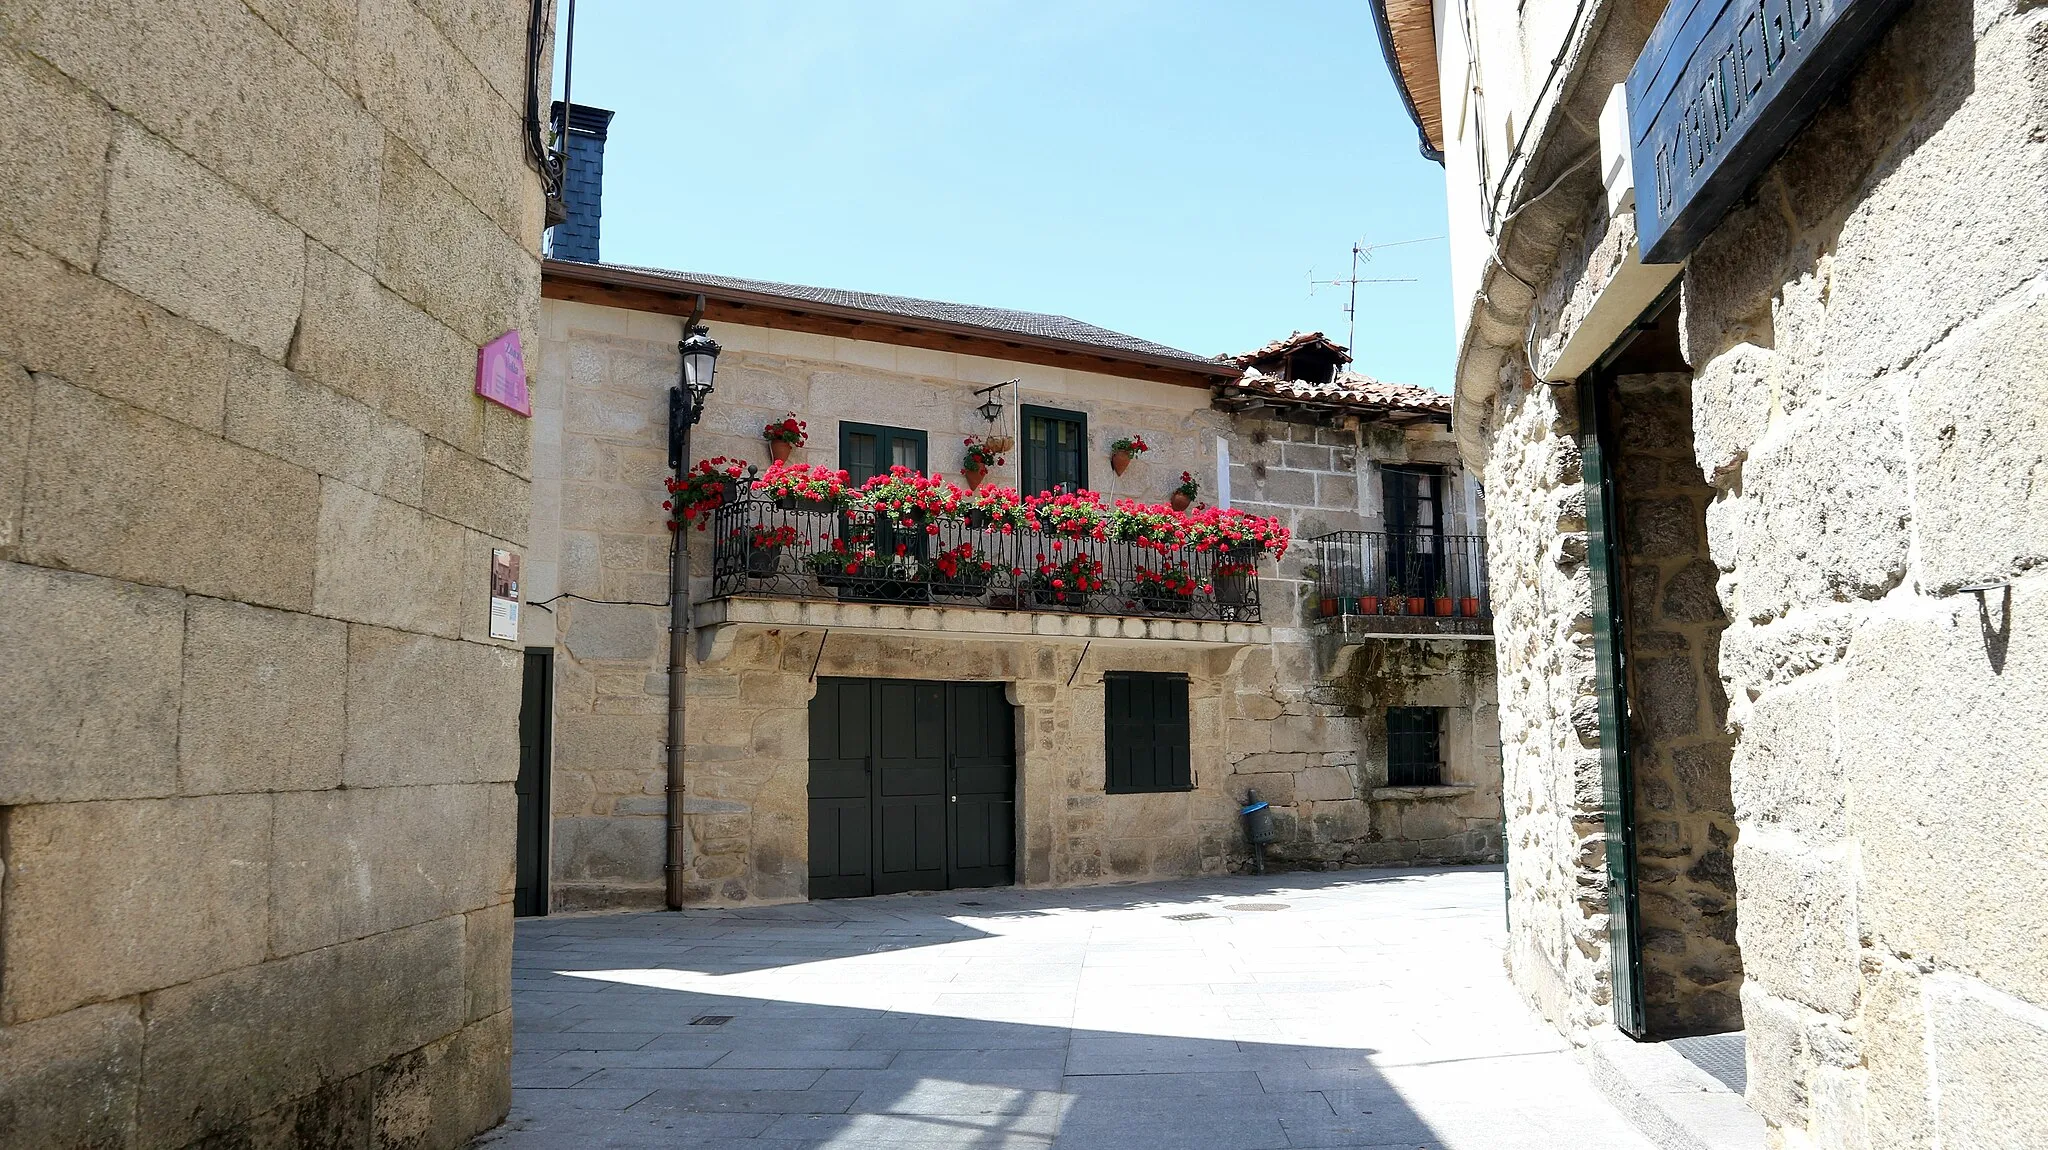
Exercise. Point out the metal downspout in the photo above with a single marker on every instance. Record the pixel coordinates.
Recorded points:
(678, 668)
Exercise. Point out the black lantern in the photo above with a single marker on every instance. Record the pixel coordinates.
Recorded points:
(990, 409)
(700, 364)
(686, 399)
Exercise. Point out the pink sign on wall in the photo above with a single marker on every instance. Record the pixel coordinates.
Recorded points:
(501, 374)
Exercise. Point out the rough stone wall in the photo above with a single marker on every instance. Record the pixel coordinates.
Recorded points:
(1865, 331)
(1867, 340)
(256, 805)
(1679, 745)
(1549, 714)
(1309, 718)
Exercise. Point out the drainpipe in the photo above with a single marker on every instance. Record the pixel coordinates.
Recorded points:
(678, 665)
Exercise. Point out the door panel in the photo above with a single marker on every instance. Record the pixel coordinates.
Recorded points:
(842, 812)
(536, 713)
(984, 770)
(912, 787)
(910, 764)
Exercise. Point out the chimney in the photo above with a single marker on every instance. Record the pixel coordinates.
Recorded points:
(582, 182)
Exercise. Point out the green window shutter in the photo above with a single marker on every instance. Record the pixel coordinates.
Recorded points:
(1145, 740)
(1055, 449)
(867, 450)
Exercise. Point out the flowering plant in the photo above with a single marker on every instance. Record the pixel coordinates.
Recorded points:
(1066, 581)
(802, 481)
(995, 509)
(763, 536)
(963, 564)
(904, 495)
(1173, 581)
(839, 559)
(789, 429)
(1131, 445)
(1236, 532)
(1148, 525)
(980, 456)
(1188, 486)
(701, 489)
(1079, 514)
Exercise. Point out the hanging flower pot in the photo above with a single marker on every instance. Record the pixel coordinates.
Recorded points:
(1179, 502)
(785, 435)
(1122, 451)
(998, 443)
(974, 476)
(1184, 496)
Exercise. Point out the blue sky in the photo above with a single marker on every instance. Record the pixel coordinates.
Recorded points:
(1172, 169)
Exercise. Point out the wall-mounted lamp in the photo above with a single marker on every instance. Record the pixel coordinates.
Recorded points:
(687, 398)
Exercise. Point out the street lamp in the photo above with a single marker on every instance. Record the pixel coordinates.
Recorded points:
(686, 400)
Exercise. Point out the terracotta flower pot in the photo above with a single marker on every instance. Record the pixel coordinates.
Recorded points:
(974, 476)
(1179, 501)
(1469, 607)
(1119, 461)
(1368, 605)
(1443, 606)
(1329, 608)
(781, 449)
(1416, 605)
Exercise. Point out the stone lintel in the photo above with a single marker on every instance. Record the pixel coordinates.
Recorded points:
(720, 620)
(1410, 794)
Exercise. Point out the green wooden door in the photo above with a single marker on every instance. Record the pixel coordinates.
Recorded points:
(913, 787)
(1617, 788)
(982, 767)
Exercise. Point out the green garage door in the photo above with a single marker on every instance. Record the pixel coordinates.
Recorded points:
(913, 787)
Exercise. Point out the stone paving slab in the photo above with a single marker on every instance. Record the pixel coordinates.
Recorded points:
(1368, 1010)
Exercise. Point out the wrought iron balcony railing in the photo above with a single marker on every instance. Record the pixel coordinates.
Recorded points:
(792, 550)
(1400, 573)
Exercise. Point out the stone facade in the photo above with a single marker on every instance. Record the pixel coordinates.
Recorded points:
(1272, 710)
(256, 775)
(1861, 335)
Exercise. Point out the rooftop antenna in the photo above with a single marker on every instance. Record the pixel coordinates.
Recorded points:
(1361, 253)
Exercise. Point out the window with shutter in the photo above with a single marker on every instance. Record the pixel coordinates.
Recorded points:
(1055, 449)
(1146, 740)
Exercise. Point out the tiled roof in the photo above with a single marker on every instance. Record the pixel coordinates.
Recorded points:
(1357, 392)
(1281, 347)
(996, 320)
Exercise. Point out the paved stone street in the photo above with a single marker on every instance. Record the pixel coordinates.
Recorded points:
(1362, 1008)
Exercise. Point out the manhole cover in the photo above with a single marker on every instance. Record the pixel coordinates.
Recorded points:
(1256, 906)
(1189, 917)
(711, 1020)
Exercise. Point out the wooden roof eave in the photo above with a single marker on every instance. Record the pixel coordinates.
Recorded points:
(640, 291)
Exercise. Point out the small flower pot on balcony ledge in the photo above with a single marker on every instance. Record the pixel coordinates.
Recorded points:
(1443, 607)
(1469, 607)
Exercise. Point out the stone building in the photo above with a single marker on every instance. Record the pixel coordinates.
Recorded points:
(1749, 308)
(256, 766)
(796, 677)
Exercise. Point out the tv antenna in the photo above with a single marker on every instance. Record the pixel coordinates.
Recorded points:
(1361, 253)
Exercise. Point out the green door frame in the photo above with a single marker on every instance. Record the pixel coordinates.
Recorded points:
(1617, 782)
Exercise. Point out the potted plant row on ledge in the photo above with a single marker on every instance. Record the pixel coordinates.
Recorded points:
(906, 536)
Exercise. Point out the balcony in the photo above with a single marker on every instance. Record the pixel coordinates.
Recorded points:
(788, 563)
(1401, 585)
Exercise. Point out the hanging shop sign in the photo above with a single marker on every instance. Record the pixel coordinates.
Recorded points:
(501, 374)
(1719, 91)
